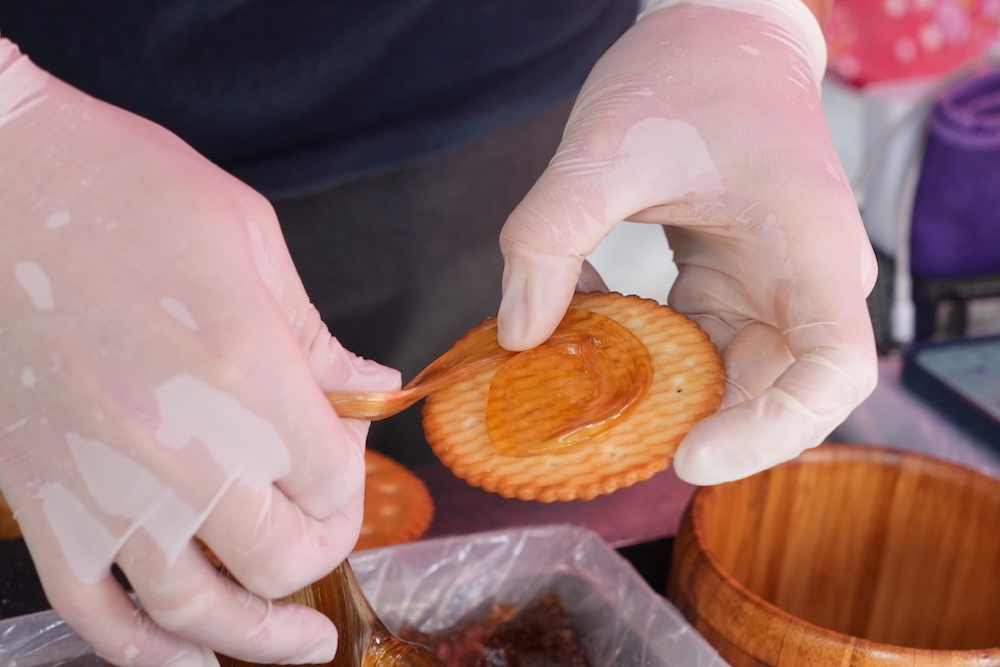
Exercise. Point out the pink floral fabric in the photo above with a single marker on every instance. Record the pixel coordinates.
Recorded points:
(889, 40)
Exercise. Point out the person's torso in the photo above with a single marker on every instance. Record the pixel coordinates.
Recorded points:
(291, 94)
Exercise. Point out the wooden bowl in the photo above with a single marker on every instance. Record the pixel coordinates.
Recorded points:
(849, 555)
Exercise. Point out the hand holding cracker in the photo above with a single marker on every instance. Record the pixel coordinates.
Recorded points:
(580, 415)
(708, 120)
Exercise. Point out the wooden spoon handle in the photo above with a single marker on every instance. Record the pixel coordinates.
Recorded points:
(364, 639)
(445, 370)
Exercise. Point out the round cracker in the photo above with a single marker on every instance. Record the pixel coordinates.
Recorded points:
(687, 386)
(398, 506)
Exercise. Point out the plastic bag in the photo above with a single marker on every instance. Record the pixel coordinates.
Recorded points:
(437, 583)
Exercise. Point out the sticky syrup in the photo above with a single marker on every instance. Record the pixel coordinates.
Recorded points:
(591, 373)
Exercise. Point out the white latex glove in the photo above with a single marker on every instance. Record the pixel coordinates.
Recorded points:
(161, 377)
(706, 117)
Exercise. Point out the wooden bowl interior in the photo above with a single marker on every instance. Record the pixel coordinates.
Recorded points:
(873, 544)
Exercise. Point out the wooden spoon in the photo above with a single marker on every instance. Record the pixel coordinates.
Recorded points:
(598, 340)
(480, 351)
(364, 639)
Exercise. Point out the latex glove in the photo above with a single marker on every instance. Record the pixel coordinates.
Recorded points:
(161, 377)
(706, 117)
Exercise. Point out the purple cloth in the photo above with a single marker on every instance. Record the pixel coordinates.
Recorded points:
(956, 213)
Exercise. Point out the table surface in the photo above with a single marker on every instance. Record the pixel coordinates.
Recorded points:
(644, 512)
(893, 416)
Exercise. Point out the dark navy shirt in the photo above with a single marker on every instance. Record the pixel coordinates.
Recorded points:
(292, 95)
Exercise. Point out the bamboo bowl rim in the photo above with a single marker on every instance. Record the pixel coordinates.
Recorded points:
(980, 657)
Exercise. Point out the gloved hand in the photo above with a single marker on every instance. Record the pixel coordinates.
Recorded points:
(161, 377)
(706, 117)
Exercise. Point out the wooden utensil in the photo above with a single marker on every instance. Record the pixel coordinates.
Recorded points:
(585, 343)
(482, 351)
(848, 555)
(364, 639)
(9, 529)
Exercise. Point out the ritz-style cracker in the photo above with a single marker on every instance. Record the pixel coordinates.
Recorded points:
(687, 386)
(398, 506)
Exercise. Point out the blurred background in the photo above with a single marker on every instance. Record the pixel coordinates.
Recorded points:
(913, 100)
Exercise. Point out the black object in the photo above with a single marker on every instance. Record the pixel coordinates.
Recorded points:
(20, 590)
(961, 379)
(945, 308)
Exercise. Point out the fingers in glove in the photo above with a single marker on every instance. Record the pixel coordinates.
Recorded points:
(754, 359)
(338, 369)
(105, 616)
(189, 599)
(832, 372)
(287, 436)
(335, 368)
(269, 485)
(271, 546)
(537, 289)
(594, 183)
(327, 467)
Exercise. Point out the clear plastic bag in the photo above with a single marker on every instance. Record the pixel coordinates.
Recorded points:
(437, 583)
